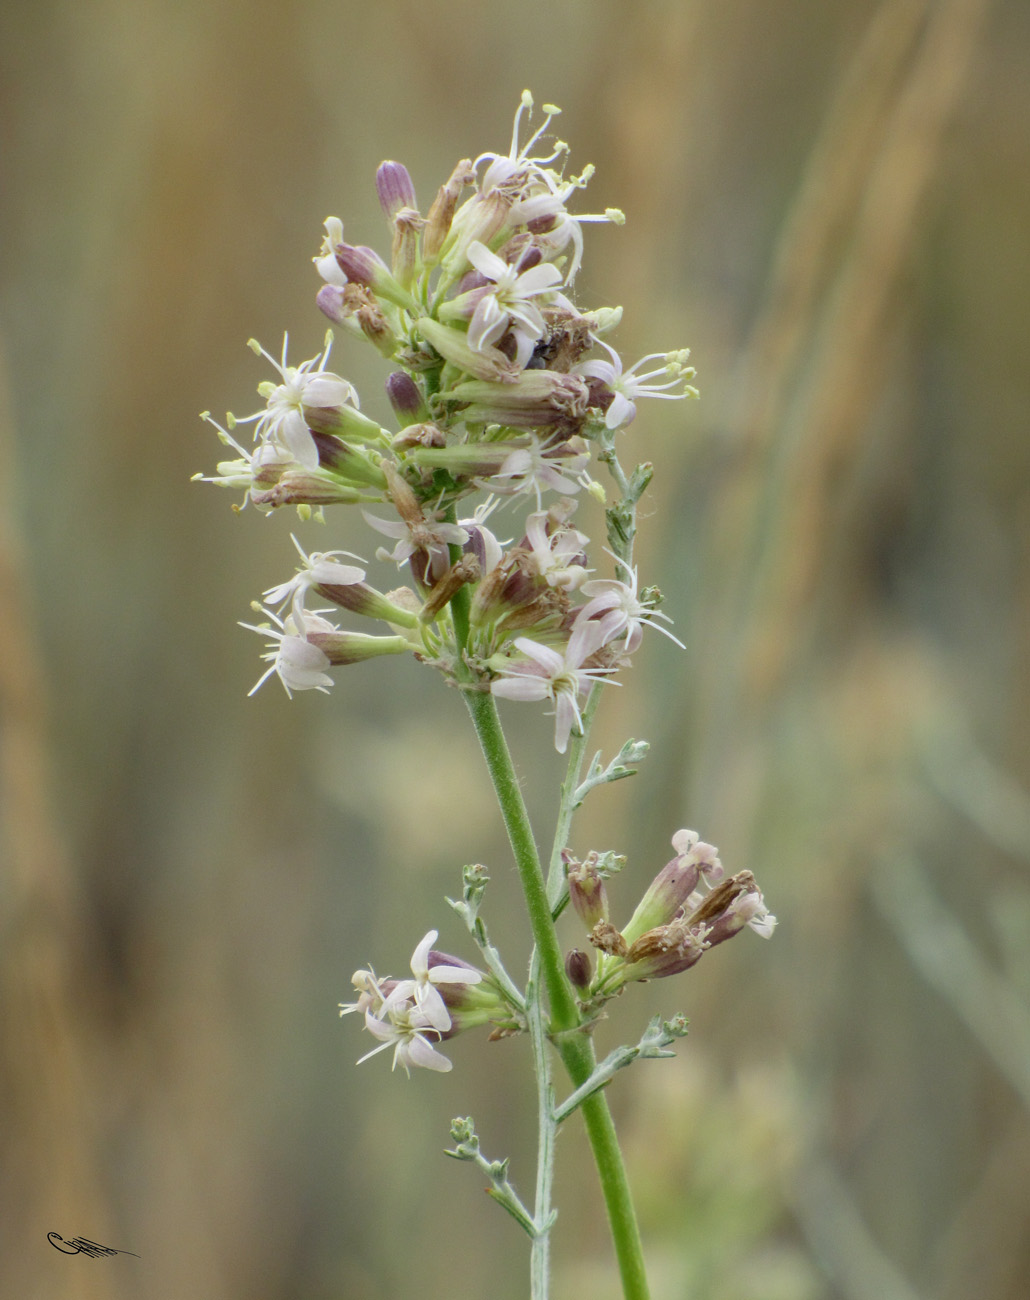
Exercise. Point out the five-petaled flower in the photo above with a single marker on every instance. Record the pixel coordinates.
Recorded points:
(545, 673)
(627, 386)
(283, 420)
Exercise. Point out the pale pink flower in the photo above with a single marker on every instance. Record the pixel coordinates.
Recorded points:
(283, 421)
(617, 610)
(507, 303)
(422, 991)
(545, 673)
(628, 386)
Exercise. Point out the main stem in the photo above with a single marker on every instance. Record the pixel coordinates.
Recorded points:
(574, 1046)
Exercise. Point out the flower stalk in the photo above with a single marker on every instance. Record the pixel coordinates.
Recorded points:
(507, 398)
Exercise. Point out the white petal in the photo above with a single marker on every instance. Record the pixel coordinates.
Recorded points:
(520, 688)
(419, 1052)
(331, 573)
(420, 957)
(485, 262)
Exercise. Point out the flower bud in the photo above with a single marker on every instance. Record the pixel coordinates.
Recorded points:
(536, 399)
(353, 647)
(362, 599)
(579, 968)
(363, 265)
(406, 399)
(666, 950)
(395, 189)
(674, 884)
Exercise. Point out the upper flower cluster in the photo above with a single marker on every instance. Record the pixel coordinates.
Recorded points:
(495, 392)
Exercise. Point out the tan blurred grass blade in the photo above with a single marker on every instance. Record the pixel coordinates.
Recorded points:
(48, 1004)
(822, 338)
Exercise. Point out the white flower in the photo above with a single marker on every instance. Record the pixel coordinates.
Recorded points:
(320, 569)
(432, 537)
(423, 991)
(309, 384)
(370, 995)
(550, 675)
(759, 918)
(628, 385)
(506, 303)
(483, 541)
(407, 1030)
(555, 555)
(252, 466)
(567, 225)
(301, 666)
(516, 165)
(531, 469)
(617, 610)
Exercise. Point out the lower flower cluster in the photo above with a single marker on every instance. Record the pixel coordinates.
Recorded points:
(690, 907)
(444, 996)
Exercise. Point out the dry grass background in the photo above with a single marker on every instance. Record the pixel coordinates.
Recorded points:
(830, 204)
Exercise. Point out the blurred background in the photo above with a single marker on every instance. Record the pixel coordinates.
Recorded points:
(829, 203)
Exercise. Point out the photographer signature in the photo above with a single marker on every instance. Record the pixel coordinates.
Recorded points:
(82, 1246)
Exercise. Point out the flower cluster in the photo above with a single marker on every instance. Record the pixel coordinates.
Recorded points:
(689, 907)
(444, 996)
(496, 396)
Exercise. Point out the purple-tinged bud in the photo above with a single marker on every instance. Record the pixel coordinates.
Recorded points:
(406, 399)
(674, 884)
(536, 399)
(302, 487)
(362, 599)
(579, 968)
(666, 950)
(364, 266)
(587, 892)
(355, 308)
(354, 647)
(331, 301)
(395, 188)
(441, 214)
(359, 264)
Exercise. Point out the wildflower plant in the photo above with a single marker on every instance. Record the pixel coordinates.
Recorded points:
(508, 399)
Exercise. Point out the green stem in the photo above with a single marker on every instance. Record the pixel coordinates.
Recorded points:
(574, 1046)
(540, 1253)
(566, 807)
(560, 997)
